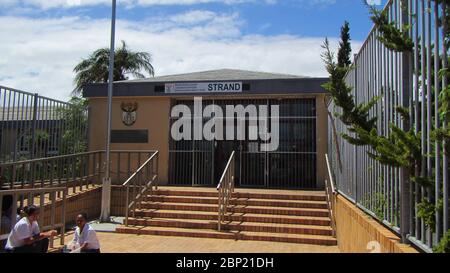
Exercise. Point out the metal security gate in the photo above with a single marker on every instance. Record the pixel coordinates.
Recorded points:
(292, 166)
(191, 162)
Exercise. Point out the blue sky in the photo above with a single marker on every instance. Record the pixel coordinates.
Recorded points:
(312, 18)
(46, 38)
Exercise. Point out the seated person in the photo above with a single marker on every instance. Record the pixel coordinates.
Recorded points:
(26, 237)
(85, 236)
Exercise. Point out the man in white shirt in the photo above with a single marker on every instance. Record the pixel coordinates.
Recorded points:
(85, 236)
(26, 237)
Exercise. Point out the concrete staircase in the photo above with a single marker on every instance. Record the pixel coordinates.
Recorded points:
(260, 215)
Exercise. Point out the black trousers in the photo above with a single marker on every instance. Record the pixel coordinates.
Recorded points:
(40, 246)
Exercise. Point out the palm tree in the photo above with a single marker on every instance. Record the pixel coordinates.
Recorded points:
(94, 69)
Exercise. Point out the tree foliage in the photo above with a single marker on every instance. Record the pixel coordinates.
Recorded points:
(95, 69)
(393, 38)
(353, 116)
(345, 48)
(75, 121)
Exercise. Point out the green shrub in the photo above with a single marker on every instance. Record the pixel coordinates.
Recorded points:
(444, 244)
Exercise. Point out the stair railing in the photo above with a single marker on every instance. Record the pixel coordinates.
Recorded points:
(331, 195)
(225, 190)
(77, 172)
(140, 184)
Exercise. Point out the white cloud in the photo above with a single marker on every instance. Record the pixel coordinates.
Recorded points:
(51, 4)
(39, 54)
(194, 16)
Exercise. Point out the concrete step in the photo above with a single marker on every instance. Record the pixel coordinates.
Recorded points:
(297, 195)
(253, 236)
(300, 196)
(262, 215)
(240, 201)
(239, 217)
(232, 226)
(315, 212)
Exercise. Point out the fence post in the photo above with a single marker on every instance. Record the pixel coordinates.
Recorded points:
(355, 148)
(405, 198)
(33, 126)
(445, 189)
(87, 128)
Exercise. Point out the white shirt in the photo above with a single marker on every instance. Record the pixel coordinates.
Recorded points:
(88, 236)
(21, 231)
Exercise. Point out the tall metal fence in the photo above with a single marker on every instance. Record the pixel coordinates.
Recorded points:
(33, 126)
(411, 80)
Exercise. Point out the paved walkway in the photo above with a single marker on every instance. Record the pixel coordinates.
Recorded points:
(124, 243)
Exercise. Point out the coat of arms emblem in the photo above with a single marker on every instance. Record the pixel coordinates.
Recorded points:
(129, 114)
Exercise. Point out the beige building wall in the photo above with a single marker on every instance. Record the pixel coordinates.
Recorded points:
(152, 114)
(322, 140)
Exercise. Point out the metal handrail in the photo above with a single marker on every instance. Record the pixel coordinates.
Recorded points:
(49, 205)
(140, 169)
(71, 155)
(140, 186)
(36, 160)
(74, 170)
(330, 194)
(225, 190)
(330, 174)
(71, 170)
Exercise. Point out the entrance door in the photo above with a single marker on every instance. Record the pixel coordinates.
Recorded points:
(222, 153)
(292, 166)
(202, 165)
(253, 167)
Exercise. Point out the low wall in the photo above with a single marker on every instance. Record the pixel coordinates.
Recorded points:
(358, 232)
(87, 201)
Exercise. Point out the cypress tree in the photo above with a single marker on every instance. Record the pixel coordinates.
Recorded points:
(345, 48)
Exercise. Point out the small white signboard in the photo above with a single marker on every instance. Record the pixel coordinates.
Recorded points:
(204, 87)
